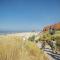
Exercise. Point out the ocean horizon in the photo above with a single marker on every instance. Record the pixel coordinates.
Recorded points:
(9, 32)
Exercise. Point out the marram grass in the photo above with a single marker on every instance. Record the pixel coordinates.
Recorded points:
(14, 48)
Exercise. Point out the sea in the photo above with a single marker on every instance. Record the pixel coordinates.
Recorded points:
(11, 32)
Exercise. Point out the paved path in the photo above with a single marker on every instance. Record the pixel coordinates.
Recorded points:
(54, 56)
(50, 54)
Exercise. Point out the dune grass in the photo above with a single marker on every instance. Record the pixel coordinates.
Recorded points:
(14, 48)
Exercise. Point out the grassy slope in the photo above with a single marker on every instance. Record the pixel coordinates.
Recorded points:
(14, 48)
(56, 35)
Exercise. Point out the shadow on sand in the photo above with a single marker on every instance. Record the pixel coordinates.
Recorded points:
(55, 56)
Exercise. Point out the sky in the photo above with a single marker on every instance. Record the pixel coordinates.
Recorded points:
(26, 15)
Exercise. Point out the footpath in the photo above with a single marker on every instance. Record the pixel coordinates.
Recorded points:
(50, 54)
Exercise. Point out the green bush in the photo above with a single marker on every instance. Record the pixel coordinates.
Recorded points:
(32, 38)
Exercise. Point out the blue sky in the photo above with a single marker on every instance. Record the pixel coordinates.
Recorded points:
(25, 15)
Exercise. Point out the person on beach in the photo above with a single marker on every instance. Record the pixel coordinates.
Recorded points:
(50, 43)
(54, 46)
